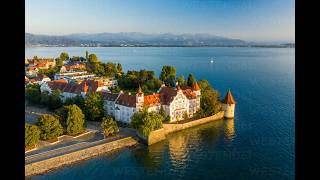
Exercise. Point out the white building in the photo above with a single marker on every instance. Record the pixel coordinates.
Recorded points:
(76, 75)
(176, 103)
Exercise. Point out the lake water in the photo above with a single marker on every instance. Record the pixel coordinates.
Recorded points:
(257, 144)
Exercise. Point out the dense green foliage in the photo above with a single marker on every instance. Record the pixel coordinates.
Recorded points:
(181, 81)
(75, 120)
(50, 72)
(50, 127)
(191, 80)
(93, 107)
(168, 75)
(77, 100)
(64, 56)
(204, 85)
(146, 122)
(77, 59)
(35, 97)
(109, 126)
(32, 134)
(33, 94)
(133, 79)
(93, 59)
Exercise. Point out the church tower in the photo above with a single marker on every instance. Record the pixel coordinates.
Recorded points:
(196, 89)
(139, 99)
(228, 105)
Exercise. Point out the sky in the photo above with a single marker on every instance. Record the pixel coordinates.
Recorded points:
(251, 20)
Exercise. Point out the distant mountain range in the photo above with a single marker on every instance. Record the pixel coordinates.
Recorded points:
(132, 39)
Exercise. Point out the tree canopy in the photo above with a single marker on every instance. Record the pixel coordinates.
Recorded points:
(93, 107)
(191, 80)
(168, 75)
(109, 126)
(75, 120)
(210, 103)
(32, 134)
(64, 56)
(93, 58)
(50, 127)
(146, 122)
(181, 81)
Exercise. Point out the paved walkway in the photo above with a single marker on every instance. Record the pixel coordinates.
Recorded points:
(71, 146)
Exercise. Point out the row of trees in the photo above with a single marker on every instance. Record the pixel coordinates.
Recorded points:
(68, 120)
(34, 96)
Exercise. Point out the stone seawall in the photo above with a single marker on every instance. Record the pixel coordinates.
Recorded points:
(159, 135)
(55, 162)
(170, 128)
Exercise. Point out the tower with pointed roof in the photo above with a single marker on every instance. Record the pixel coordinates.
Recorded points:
(139, 99)
(228, 105)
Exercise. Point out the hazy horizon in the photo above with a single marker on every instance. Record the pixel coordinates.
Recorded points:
(248, 20)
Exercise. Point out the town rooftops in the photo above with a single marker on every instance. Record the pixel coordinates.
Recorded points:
(151, 100)
(229, 98)
(85, 86)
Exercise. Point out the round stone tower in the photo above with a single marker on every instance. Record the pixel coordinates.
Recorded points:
(228, 105)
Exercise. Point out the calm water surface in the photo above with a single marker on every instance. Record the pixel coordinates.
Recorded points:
(257, 144)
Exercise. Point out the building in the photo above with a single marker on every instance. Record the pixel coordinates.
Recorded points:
(72, 89)
(74, 75)
(71, 67)
(110, 82)
(32, 71)
(42, 63)
(39, 79)
(176, 102)
(228, 105)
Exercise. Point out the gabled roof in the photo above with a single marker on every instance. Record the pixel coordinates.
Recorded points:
(110, 96)
(126, 100)
(229, 98)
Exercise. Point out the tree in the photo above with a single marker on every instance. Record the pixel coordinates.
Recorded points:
(50, 127)
(59, 62)
(77, 100)
(162, 112)
(33, 94)
(54, 100)
(168, 74)
(191, 80)
(64, 56)
(181, 80)
(204, 85)
(146, 122)
(75, 121)
(93, 107)
(109, 126)
(119, 68)
(87, 56)
(93, 59)
(210, 103)
(32, 135)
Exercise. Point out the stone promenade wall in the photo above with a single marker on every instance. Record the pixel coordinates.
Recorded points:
(170, 128)
(55, 162)
(154, 137)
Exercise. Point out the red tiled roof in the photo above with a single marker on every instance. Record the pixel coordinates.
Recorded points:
(229, 98)
(196, 87)
(151, 100)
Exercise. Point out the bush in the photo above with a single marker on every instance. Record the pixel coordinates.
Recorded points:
(210, 103)
(109, 126)
(32, 135)
(33, 94)
(146, 122)
(50, 127)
